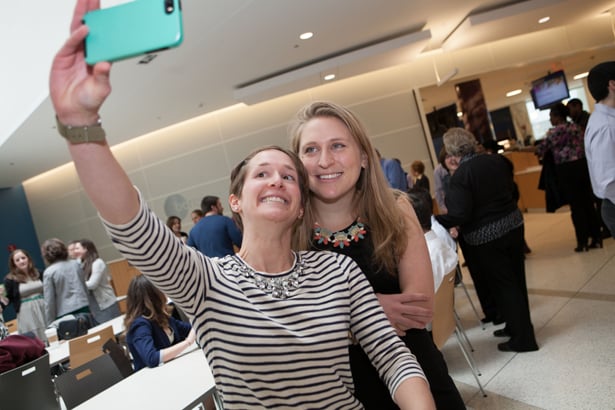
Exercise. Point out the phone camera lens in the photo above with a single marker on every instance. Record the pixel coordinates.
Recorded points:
(169, 6)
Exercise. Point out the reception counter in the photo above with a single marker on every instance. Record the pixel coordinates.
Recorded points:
(527, 175)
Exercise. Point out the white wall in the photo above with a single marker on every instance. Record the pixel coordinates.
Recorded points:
(175, 167)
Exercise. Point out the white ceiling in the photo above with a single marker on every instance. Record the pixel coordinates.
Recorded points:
(232, 44)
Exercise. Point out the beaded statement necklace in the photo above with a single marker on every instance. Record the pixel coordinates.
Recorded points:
(280, 287)
(339, 239)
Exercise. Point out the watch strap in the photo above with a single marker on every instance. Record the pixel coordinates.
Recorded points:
(79, 135)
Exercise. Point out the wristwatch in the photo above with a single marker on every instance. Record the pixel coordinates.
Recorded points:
(79, 135)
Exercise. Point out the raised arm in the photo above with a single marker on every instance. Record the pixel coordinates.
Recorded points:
(77, 92)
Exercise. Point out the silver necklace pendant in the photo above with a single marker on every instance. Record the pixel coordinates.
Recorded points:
(278, 287)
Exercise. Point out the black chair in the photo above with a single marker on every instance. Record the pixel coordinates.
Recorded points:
(28, 387)
(120, 356)
(87, 380)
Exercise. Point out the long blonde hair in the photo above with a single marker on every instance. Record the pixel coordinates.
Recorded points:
(374, 200)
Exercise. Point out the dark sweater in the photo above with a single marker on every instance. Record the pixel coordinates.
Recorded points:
(480, 191)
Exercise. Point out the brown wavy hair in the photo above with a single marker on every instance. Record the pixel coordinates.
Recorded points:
(145, 299)
(54, 250)
(17, 274)
(90, 256)
(375, 201)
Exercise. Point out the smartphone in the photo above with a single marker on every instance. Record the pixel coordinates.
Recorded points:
(131, 29)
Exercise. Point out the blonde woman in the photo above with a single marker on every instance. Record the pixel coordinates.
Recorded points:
(354, 212)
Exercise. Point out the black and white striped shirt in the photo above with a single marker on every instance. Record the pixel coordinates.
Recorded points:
(266, 352)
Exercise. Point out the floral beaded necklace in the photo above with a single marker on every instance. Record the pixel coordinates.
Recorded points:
(339, 239)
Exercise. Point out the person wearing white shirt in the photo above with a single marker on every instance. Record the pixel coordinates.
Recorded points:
(600, 139)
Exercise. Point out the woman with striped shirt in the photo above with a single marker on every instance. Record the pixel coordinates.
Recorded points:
(275, 325)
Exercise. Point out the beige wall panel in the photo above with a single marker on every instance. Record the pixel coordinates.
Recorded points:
(53, 184)
(128, 155)
(388, 113)
(407, 145)
(187, 170)
(139, 180)
(242, 120)
(175, 141)
(55, 214)
(88, 208)
(238, 148)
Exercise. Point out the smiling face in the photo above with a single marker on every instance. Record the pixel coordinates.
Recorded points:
(332, 158)
(270, 189)
(78, 251)
(21, 261)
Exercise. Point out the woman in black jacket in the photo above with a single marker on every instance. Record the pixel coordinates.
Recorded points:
(480, 200)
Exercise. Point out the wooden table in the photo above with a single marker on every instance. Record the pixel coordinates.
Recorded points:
(181, 383)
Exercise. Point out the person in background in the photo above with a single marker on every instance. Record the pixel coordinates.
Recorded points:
(103, 301)
(354, 212)
(418, 173)
(394, 173)
(492, 147)
(24, 289)
(565, 142)
(70, 247)
(153, 336)
(600, 139)
(196, 215)
(215, 234)
(246, 309)
(174, 223)
(441, 176)
(578, 115)
(442, 255)
(480, 201)
(63, 282)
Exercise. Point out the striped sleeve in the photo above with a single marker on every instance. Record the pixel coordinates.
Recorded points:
(179, 271)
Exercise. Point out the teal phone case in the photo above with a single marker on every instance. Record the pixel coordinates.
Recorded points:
(132, 29)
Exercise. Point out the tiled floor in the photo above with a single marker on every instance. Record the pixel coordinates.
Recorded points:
(572, 302)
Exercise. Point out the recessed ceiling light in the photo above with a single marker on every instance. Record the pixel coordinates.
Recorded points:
(513, 92)
(581, 75)
(544, 20)
(307, 35)
(329, 77)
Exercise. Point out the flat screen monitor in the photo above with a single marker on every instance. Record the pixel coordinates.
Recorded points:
(549, 90)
